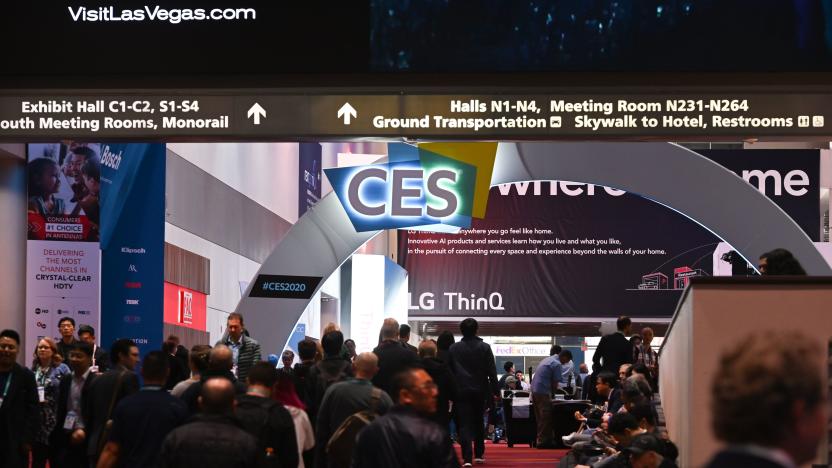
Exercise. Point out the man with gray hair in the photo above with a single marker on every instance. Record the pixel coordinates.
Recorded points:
(392, 356)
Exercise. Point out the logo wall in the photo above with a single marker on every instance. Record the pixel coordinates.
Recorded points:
(432, 187)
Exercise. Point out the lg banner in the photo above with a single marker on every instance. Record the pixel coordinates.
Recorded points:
(132, 241)
(576, 250)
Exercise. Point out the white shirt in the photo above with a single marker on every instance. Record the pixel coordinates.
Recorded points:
(303, 431)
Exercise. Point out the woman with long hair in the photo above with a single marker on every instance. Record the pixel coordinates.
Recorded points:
(285, 394)
(443, 344)
(49, 370)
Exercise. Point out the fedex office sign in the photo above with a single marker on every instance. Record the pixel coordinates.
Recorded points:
(414, 189)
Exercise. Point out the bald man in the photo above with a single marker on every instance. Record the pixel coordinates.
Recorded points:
(214, 437)
(346, 398)
(441, 375)
(220, 361)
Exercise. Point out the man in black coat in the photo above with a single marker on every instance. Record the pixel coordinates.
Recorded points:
(213, 437)
(142, 420)
(615, 349)
(100, 358)
(404, 337)
(768, 401)
(405, 436)
(444, 379)
(300, 373)
(268, 421)
(473, 365)
(19, 405)
(70, 436)
(392, 356)
(107, 390)
(333, 368)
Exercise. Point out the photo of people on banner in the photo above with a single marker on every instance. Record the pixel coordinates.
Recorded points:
(64, 181)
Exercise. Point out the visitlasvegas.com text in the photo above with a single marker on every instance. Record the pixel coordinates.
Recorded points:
(83, 14)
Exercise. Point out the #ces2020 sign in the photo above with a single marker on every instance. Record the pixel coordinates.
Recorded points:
(433, 186)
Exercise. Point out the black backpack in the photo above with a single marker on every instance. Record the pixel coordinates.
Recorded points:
(340, 445)
(258, 419)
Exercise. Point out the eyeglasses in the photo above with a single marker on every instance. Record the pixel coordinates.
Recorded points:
(427, 386)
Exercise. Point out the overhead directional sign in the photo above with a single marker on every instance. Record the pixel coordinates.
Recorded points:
(256, 112)
(552, 114)
(346, 112)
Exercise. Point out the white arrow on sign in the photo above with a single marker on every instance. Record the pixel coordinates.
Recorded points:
(257, 111)
(346, 111)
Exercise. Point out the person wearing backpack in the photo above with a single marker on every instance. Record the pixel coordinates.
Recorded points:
(267, 420)
(347, 408)
(332, 368)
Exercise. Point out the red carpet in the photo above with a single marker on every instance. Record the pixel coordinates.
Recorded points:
(500, 456)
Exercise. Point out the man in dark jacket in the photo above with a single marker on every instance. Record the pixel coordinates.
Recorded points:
(333, 368)
(142, 420)
(406, 437)
(177, 372)
(70, 436)
(614, 350)
(404, 337)
(66, 327)
(19, 405)
(100, 358)
(392, 356)
(213, 438)
(473, 365)
(300, 373)
(220, 362)
(267, 420)
(441, 375)
(107, 390)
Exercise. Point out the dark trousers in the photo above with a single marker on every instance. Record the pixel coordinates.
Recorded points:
(469, 411)
(72, 456)
(41, 453)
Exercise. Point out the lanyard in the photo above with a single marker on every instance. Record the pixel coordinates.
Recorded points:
(8, 382)
(41, 377)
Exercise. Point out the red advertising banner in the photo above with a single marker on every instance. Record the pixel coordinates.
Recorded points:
(185, 307)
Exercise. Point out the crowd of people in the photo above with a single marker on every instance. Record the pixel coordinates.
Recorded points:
(395, 406)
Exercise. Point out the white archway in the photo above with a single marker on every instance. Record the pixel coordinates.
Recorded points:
(324, 237)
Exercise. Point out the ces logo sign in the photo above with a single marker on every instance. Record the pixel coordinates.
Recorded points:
(437, 187)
